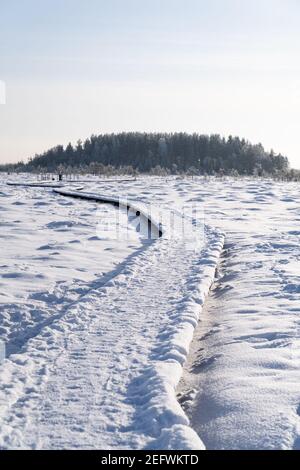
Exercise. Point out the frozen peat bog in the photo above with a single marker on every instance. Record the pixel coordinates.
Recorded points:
(127, 343)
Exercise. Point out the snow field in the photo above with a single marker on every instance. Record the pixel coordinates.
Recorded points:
(102, 371)
(78, 383)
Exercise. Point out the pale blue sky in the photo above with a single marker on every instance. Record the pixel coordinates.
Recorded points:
(74, 68)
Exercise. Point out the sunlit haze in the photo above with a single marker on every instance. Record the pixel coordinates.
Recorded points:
(74, 68)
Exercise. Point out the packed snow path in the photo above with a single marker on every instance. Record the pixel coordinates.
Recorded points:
(88, 405)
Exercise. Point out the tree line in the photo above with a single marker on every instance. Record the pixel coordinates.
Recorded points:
(177, 153)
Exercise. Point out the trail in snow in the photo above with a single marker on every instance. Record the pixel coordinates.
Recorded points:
(90, 406)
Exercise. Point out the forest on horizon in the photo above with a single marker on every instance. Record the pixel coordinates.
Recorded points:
(158, 153)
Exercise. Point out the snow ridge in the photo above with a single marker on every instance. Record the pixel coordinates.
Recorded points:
(122, 202)
(159, 382)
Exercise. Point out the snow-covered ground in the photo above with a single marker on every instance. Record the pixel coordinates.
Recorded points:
(50, 254)
(97, 330)
(241, 384)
